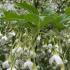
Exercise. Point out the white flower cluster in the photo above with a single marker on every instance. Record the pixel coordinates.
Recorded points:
(66, 36)
(49, 46)
(28, 64)
(53, 6)
(9, 6)
(17, 51)
(19, 64)
(6, 65)
(4, 39)
(29, 53)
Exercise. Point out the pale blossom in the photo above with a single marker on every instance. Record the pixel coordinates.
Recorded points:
(38, 38)
(56, 46)
(32, 54)
(4, 40)
(19, 62)
(6, 64)
(9, 6)
(68, 40)
(67, 36)
(57, 59)
(12, 68)
(49, 46)
(53, 6)
(17, 51)
(28, 64)
(49, 51)
(11, 34)
(65, 61)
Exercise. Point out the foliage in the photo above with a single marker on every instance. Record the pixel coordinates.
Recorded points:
(30, 37)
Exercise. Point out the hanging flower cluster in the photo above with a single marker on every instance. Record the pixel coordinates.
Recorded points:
(8, 6)
(4, 39)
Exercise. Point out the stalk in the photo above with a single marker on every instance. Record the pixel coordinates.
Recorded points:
(62, 67)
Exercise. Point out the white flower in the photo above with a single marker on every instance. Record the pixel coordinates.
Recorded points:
(28, 64)
(38, 38)
(19, 62)
(26, 51)
(67, 36)
(4, 40)
(68, 40)
(65, 61)
(56, 46)
(6, 64)
(11, 34)
(49, 51)
(17, 51)
(53, 6)
(49, 46)
(9, 7)
(32, 54)
(57, 59)
(12, 68)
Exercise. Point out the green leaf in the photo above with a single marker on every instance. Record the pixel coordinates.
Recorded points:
(28, 7)
(56, 19)
(11, 16)
(53, 19)
(67, 11)
(32, 18)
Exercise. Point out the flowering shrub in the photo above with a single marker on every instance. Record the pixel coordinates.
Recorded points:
(32, 38)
